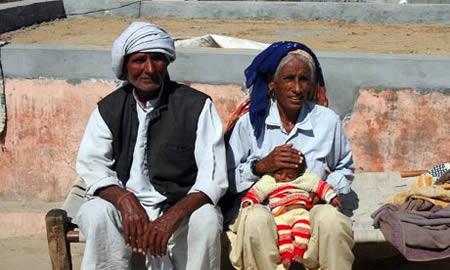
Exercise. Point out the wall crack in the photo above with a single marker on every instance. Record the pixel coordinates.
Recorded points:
(3, 115)
(108, 9)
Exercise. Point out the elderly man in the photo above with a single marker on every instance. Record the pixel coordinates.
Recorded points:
(153, 159)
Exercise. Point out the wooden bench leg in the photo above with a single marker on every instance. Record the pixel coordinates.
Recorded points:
(58, 247)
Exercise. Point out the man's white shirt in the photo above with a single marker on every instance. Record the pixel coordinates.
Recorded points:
(95, 157)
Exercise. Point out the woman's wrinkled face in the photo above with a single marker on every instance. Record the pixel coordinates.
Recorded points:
(291, 85)
(146, 70)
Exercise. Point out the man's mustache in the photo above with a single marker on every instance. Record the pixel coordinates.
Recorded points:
(155, 78)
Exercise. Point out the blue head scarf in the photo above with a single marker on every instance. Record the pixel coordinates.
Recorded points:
(262, 69)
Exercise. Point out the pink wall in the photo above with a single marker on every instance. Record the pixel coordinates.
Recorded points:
(46, 119)
(400, 129)
(45, 123)
(389, 130)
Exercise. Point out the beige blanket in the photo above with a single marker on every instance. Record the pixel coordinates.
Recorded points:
(424, 189)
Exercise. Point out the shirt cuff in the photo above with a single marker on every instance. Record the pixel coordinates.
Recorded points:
(339, 183)
(105, 182)
(247, 177)
(214, 193)
(329, 196)
(248, 167)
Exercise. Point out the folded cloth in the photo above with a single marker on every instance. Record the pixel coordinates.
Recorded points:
(417, 204)
(424, 189)
(418, 235)
(444, 179)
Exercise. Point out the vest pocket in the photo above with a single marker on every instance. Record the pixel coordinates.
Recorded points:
(179, 152)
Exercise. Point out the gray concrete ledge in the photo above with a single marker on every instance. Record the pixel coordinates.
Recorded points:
(264, 10)
(346, 1)
(80, 8)
(15, 15)
(345, 73)
(24, 13)
(427, 1)
(352, 12)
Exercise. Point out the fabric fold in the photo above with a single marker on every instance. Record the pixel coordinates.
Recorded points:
(418, 235)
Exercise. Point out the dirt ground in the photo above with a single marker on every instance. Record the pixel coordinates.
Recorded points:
(31, 252)
(320, 35)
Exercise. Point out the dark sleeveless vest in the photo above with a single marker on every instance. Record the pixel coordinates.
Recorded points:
(171, 136)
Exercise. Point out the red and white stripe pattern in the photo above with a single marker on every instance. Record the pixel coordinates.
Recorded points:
(293, 234)
(293, 226)
(296, 191)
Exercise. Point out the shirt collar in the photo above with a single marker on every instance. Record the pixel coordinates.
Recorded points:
(150, 104)
(303, 119)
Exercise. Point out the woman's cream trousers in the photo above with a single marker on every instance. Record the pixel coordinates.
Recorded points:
(253, 238)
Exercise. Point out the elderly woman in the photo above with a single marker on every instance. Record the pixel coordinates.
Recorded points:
(284, 128)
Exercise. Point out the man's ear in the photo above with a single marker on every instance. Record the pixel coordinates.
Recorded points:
(167, 59)
(124, 72)
(124, 66)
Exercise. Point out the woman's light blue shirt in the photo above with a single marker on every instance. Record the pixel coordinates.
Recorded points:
(318, 134)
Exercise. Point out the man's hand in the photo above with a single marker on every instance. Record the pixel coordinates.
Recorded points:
(134, 217)
(281, 157)
(158, 232)
(134, 220)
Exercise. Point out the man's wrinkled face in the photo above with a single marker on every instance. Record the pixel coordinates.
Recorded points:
(146, 70)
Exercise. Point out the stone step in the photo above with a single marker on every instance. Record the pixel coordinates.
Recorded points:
(19, 218)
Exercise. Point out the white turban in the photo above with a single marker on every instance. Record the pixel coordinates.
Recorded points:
(140, 37)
